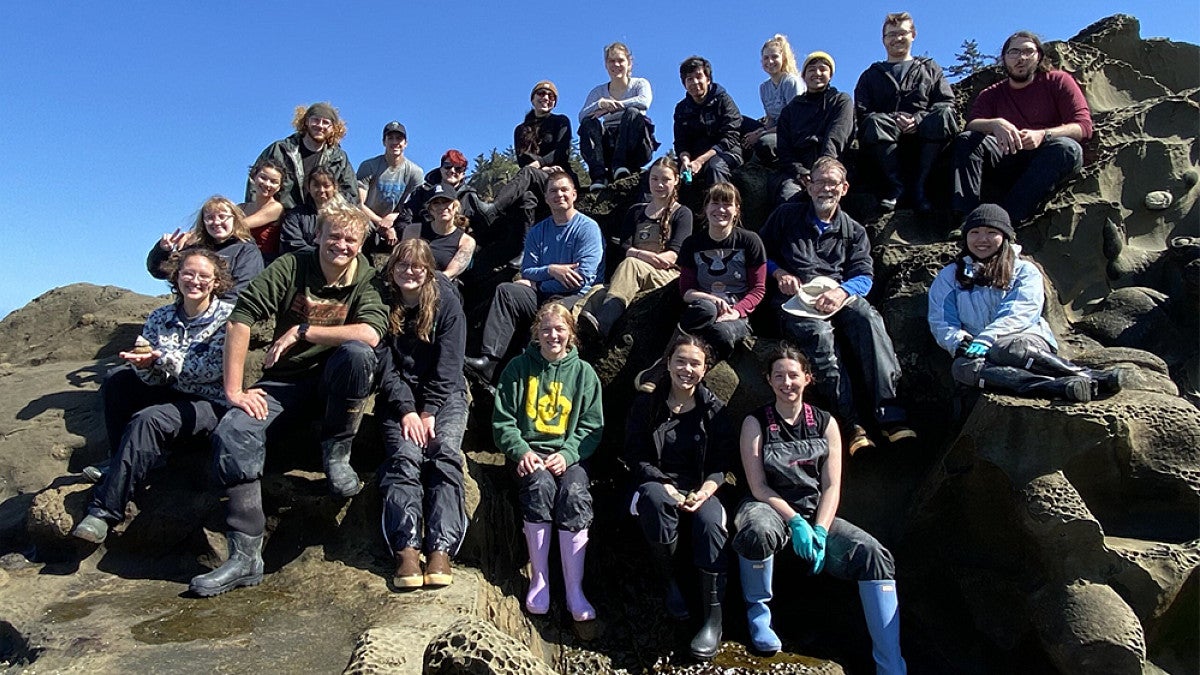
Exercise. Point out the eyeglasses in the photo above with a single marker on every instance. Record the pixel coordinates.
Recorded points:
(1027, 53)
(897, 33)
(825, 183)
(544, 92)
(196, 276)
(217, 217)
(455, 169)
(320, 121)
(404, 266)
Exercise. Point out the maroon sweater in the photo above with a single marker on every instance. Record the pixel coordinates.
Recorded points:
(1051, 99)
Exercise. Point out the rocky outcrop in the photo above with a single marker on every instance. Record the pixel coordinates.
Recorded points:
(476, 647)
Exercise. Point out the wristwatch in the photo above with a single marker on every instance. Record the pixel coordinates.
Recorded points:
(302, 331)
(1048, 135)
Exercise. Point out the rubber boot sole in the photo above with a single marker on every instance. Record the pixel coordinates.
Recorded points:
(226, 587)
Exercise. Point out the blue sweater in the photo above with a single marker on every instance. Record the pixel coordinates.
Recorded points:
(577, 241)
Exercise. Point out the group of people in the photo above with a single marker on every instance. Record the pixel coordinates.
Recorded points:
(343, 332)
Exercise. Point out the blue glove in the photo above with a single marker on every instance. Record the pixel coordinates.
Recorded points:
(977, 350)
(819, 535)
(802, 537)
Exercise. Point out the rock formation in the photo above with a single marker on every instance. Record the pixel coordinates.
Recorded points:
(1030, 535)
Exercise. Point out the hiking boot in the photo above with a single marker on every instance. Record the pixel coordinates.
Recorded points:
(898, 432)
(92, 529)
(859, 440)
(408, 569)
(620, 173)
(95, 473)
(437, 569)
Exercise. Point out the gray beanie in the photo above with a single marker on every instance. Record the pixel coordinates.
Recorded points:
(989, 215)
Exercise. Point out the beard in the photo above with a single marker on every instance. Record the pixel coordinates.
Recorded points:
(1027, 76)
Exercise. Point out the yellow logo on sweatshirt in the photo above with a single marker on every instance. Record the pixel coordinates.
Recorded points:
(550, 411)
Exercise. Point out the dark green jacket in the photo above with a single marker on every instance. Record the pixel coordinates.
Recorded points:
(291, 191)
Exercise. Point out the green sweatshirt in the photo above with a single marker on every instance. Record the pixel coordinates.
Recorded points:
(548, 407)
(292, 290)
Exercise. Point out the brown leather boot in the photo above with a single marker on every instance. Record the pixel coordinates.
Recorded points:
(437, 569)
(408, 569)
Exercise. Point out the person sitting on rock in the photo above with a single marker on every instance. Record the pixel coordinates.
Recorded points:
(791, 455)
(818, 123)
(548, 421)
(817, 240)
(615, 136)
(319, 130)
(678, 445)
(563, 257)
(221, 227)
(898, 99)
(446, 234)
(328, 317)
(169, 390)
(781, 86)
(652, 235)
(707, 123)
(1023, 133)
(384, 184)
(543, 139)
(298, 230)
(422, 407)
(985, 309)
(264, 214)
(722, 276)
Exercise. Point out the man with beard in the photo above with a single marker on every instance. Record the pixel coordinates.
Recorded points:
(317, 142)
(1024, 133)
(820, 259)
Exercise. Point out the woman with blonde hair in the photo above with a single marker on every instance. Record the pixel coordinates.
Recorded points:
(548, 421)
(220, 227)
(615, 135)
(423, 408)
(781, 86)
(319, 130)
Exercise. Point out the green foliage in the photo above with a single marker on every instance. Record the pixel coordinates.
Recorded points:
(969, 60)
(496, 168)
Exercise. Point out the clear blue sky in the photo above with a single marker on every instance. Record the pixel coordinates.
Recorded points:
(122, 117)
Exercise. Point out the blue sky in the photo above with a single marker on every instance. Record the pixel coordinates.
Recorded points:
(122, 117)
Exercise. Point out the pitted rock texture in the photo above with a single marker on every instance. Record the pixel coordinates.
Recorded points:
(1088, 628)
(475, 647)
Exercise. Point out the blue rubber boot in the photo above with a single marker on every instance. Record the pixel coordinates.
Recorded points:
(756, 589)
(882, 608)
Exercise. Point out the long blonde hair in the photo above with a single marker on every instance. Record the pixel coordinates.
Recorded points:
(415, 252)
(200, 235)
(785, 49)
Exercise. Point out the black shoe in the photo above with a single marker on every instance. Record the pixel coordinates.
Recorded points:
(589, 328)
(482, 367)
(1107, 382)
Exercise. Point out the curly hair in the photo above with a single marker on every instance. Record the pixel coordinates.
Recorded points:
(415, 252)
(200, 235)
(343, 213)
(222, 280)
(336, 132)
(785, 50)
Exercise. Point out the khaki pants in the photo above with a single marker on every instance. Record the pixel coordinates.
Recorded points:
(633, 276)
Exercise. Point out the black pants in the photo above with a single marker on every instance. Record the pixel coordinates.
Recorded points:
(631, 139)
(424, 486)
(864, 332)
(163, 416)
(329, 393)
(511, 312)
(565, 501)
(1028, 175)
(658, 514)
(699, 318)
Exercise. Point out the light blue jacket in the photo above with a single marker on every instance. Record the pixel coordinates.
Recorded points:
(987, 313)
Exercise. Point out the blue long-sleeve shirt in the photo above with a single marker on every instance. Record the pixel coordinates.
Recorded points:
(576, 241)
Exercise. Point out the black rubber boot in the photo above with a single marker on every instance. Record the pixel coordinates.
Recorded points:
(707, 642)
(929, 154)
(243, 568)
(607, 315)
(663, 556)
(336, 446)
(1076, 388)
(1104, 382)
